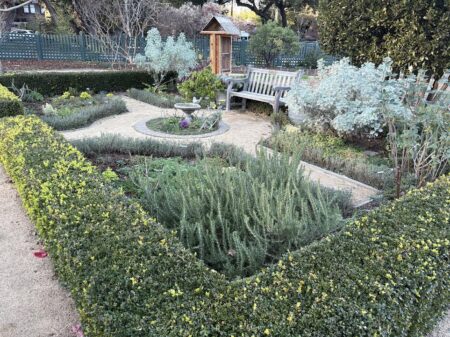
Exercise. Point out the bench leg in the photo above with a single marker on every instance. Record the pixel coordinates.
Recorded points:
(244, 103)
(276, 104)
(228, 103)
(276, 107)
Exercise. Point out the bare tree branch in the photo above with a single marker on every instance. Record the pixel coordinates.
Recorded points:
(10, 9)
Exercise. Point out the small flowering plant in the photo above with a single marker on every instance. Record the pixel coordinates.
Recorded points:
(185, 123)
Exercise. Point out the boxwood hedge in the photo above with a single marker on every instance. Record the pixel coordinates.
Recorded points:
(10, 105)
(386, 274)
(55, 83)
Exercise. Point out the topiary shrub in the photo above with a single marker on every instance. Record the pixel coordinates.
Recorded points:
(413, 33)
(10, 105)
(386, 274)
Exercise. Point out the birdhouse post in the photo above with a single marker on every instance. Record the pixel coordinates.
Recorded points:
(221, 32)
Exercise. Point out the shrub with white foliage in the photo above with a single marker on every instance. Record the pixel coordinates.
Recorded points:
(350, 99)
(161, 57)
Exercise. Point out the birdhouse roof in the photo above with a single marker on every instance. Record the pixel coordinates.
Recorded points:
(221, 24)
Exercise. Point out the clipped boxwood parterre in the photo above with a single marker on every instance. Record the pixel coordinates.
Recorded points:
(10, 104)
(55, 83)
(386, 274)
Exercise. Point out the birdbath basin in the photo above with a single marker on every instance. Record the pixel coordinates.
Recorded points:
(188, 108)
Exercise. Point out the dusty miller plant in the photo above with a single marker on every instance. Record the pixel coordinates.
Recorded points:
(162, 57)
(372, 99)
(349, 99)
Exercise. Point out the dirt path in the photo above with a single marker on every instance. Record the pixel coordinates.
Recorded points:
(32, 302)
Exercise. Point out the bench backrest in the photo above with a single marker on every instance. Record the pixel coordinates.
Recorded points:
(262, 81)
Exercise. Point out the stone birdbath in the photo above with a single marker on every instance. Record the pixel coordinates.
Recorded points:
(188, 108)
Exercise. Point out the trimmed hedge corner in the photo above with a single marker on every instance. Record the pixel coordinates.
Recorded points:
(57, 82)
(10, 105)
(385, 274)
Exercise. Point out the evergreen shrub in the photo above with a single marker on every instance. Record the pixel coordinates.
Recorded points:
(51, 84)
(239, 218)
(414, 34)
(386, 274)
(10, 104)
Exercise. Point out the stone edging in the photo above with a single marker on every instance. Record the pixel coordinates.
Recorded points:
(141, 127)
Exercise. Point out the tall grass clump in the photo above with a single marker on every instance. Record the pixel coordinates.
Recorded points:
(157, 99)
(85, 116)
(239, 218)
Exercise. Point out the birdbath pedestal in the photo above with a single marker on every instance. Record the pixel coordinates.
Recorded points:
(188, 108)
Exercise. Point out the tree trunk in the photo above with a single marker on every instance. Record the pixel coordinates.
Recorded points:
(282, 11)
(6, 21)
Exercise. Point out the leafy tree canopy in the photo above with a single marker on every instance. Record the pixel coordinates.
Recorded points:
(272, 40)
(414, 33)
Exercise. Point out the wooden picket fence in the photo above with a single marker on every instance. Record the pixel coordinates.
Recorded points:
(84, 47)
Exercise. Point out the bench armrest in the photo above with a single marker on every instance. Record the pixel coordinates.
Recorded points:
(281, 88)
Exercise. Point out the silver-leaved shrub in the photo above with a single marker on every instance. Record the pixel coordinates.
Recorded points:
(350, 99)
(175, 54)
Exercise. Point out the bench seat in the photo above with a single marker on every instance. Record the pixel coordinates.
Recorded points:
(262, 85)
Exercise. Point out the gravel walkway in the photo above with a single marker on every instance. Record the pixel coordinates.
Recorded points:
(246, 129)
(32, 302)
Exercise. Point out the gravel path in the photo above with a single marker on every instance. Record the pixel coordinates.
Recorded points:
(443, 328)
(32, 302)
(246, 129)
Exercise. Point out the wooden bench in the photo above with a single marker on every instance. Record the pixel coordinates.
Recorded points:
(263, 85)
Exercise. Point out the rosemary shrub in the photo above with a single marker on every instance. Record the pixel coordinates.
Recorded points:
(240, 218)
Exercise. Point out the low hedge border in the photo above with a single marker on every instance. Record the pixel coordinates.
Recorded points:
(86, 115)
(10, 105)
(55, 83)
(386, 274)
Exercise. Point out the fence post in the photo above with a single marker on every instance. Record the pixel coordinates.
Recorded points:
(82, 43)
(39, 50)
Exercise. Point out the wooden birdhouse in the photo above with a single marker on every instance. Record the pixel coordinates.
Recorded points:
(221, 31)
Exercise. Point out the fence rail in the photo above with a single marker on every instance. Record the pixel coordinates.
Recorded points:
(84, 47)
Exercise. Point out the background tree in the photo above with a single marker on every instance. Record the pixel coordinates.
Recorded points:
(414, 33)
(269, 10)
(188, 19)
(7, 10)
(272, 40)
(117, 23)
